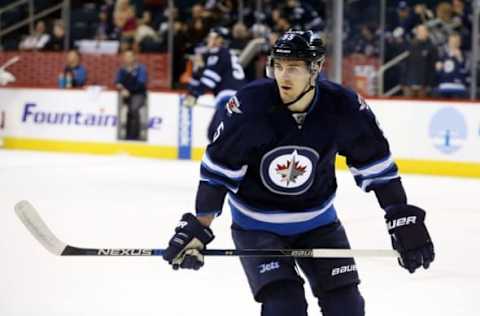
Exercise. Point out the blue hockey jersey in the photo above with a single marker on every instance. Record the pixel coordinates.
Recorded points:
(453, 74)
(222, 74)
(279, 167)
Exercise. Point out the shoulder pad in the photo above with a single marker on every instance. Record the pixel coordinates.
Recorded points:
(257, 96)
(346, 99)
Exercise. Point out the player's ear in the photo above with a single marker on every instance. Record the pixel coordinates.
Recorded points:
(316, 68)
(269, 68)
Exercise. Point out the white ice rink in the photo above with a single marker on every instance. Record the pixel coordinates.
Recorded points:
(106, 201)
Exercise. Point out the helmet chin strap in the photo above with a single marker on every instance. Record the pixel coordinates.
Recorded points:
(301, 95)
(306, 90)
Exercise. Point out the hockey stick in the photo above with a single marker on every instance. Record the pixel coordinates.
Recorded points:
(10, 62)
(204, 105)
(34, 223)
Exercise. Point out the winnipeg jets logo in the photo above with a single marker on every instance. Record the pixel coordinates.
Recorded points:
(291, 170)
(233, 106)
(363, 103)
(212, 60)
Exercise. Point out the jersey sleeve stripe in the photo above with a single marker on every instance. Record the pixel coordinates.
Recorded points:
(212, 75)
(208, 82)
(366, 185)
(194, 82)
(222, 170)
(216, 180)
(375, 173)
(376, 167)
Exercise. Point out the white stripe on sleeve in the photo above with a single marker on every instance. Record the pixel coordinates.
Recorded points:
(208, 82)
(212, 74)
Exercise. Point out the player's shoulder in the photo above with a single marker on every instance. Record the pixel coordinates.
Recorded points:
(258, 96)
(343, 99)
(334, 90)
(215, 56)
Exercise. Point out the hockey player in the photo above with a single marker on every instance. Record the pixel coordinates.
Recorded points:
(220, 73)
(274, 153)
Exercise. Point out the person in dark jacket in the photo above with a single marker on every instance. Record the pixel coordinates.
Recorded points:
(131, 83)
(419, 71)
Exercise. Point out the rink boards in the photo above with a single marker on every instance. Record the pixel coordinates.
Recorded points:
(431, 137)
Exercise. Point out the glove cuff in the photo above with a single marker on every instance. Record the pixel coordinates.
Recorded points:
(191, 224)
(402, 215)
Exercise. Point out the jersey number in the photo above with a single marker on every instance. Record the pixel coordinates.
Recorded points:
(237, 69)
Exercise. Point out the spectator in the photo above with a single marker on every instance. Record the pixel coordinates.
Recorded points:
(145, 33)
(404, 20)
(163, 24)
(37, 40)
(365, 42)
(240, 36)
(452, 71)
(74, 74)
(443, 25)
(463, 17)
(125, 23)
(131, 82)
(303, 16)
(103, 30)
(280, 20)
(57, 42)
(419, 69)
(224, 11)
(198, 27)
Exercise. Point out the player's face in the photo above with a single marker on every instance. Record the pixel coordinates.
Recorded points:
(292, 77)
(213, 40)
(128, 58)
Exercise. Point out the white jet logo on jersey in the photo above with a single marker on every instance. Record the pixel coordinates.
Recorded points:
(290, 171)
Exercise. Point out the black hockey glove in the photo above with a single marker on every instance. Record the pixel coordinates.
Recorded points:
(184, 248)
(410, 237)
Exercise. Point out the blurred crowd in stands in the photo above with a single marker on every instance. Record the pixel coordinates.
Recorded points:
(436, 34)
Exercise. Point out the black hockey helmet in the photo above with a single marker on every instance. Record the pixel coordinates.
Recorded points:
(303, 45)
(221, 31)
(299, 45)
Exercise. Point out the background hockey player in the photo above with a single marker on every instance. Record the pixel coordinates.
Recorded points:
(274, 155)
(218, 71)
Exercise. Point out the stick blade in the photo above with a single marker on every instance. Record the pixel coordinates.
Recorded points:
(37, 227)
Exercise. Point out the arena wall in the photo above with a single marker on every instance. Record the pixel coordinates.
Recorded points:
(427, 137)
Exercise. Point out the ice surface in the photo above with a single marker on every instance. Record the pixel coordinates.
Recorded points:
(119, 201)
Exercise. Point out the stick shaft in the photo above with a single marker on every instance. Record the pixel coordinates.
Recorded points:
(297, 253)
(9, 62)
(37, 227)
